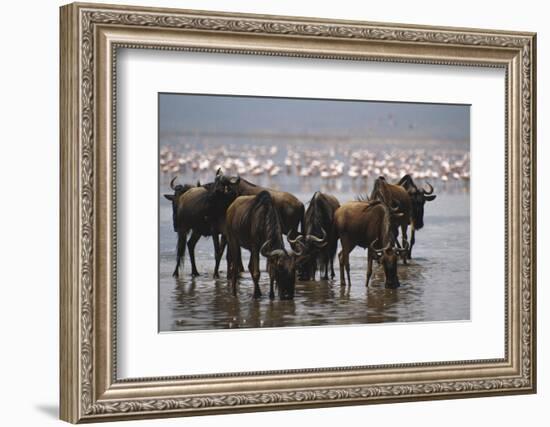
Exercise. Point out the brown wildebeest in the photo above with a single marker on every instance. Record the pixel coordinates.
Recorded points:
(253, 223)
(410, 200)
(200, 210)
(367, 224)
(319, 220)
(290, 209)
(397, 197)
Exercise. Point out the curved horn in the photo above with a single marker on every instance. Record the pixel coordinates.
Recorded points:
(371, 246)
(172, 183)
(430, 191)
(264, 247)
(378, 252)
(296, 240)
(276, 252)
(219, 172)
(394, 208)
(313, 238)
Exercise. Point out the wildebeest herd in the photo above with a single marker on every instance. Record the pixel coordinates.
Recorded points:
(239, 214)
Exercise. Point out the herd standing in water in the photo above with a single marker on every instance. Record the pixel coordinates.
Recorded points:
(239, 214)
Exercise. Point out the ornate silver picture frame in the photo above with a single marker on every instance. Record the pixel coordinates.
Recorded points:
(91, 36)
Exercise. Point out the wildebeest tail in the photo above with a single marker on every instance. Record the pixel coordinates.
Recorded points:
(262, 199)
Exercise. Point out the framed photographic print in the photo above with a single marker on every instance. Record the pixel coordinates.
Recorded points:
(265, 212)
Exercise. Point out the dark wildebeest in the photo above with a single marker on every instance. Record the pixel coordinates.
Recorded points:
(319, 219)
(253, 223)
(200, 210)
(290, 209)
(367, 224)
(410, 200)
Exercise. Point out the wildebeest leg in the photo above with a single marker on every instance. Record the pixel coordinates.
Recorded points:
(180, 252)
(333, 246)
(395, 231)
(347, 270)
(369, 268)
(191, 246)
(232, 250)
(254, 268)
(326, 258)
(218, 252)
(343, 257)
(271, 281)
(404, 240)
(239, 262)
(412, 242)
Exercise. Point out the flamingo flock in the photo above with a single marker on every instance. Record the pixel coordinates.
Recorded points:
(353, 163)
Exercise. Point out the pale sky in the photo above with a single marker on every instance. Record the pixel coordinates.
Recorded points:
(210, 113)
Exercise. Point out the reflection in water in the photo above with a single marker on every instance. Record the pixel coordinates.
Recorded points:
(434, 285)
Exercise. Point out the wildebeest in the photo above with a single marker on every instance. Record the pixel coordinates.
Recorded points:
(397, 197)
(290, 209)
(367, 224)
(410, 200)
(200, 210)
(253, 223)
(319, 219)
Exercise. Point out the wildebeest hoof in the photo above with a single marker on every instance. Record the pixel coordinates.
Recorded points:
(271, 295)
(257, 295)
(216, 276)
(195, 274)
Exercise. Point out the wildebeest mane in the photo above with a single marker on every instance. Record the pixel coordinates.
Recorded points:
(248, 182)
(263, 220)
(209, 185)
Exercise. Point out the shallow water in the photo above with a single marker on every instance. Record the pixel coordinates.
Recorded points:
(435, 285)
